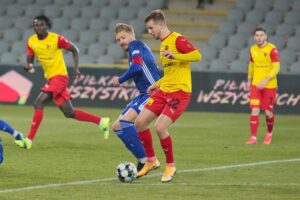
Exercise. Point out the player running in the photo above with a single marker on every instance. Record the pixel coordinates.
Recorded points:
(263, 67)
(47, 47)
(170, 95)
(144, 72)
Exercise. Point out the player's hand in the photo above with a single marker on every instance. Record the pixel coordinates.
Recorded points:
(76, 74)
(116, 81)
(152, 89)
(263, 83)
(29, 68)
(168, 54)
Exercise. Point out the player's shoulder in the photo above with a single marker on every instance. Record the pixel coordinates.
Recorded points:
(136, 46)
(271, 45)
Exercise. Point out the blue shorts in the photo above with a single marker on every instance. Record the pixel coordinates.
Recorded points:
(137, 103)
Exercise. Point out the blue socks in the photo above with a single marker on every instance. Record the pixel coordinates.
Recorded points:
(129, 137)
(1, 152)
(9, 129)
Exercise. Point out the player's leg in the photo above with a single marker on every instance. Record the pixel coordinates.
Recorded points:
(255, 104)
(43, 99)
(1, 151)
(4, 126)
(269, 99)
(127, 132)
(142, 123)
(70, 112)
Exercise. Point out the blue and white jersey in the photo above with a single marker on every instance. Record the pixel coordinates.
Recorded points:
(142, 66)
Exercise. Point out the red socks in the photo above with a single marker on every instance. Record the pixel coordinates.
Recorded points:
(270, 123)
(36, 121)
(146, 139)
(167, 147)
(254, 124)
(81, 115)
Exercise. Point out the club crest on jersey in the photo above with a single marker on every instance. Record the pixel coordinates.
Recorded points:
(265, 54)
(48, 46)
(166, 48)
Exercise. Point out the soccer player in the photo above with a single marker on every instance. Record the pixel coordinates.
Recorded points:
(170, 95)
(47, 47)
(144, 71)
(4, 126)
(263, 67)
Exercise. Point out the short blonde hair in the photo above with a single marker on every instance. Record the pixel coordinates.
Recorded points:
(123, 27)
(156, 16)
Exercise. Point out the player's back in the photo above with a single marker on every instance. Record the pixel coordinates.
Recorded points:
(150, 72)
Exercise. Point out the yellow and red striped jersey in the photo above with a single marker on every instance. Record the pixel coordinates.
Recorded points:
(177, 72)
(49, 53)
(264, 62)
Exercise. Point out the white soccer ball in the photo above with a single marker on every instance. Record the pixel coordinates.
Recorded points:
(126, 172)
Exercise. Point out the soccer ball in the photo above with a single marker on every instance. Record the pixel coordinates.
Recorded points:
(126, 172)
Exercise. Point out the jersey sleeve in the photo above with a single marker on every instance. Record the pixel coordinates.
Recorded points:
(274, 55)
(29, 50)
(184, 46)
(63, 42)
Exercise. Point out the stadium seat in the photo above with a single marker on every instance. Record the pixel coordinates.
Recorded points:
(3, 10)
(296, 6)
(292, 18)
(27, 33)
(245, 5)
(295, 68)
(108, 12)
(117, 3)
(142, 12)
(9, 58)
(217, 40)
(137, 3)
(199, 66)
(157, 4)
(244, 55)
(99, 24)
(115, 51)
(107, 37)
(239, 66)
(105, 59)
(113, 22)
(139, 27)
(5, 23)
(270, 28)
(246, 29)
(87, 59)
(71, 12)
(294, 44)
(279, 41)
(71, 35)
(228, 54)
(97, 49)
(88, 37)
(209, 53)
(34, 10)
(218, 65)
(255, 16)
(43, 2)
(127, 13)
(274, 17)
(264, 5)
(4, 46)
(79, 24)
(236, 16)
(297, 31)
(53, 11)
(90, 12)
(60, 24)
(11, 35)
(237, 42)
(15, 11)
(26, 2)
(22, 22)
(227, 28)
(81, 3)
(282, 6)
(63, 3)
(288, 56)
(99, 4)
(18, 47)
(82, 48)
(285, 30)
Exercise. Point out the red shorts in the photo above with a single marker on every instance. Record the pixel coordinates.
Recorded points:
(264, 98)
(170, 104)
(58, 86)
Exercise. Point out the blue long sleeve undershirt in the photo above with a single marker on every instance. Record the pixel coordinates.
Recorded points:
(131, 72)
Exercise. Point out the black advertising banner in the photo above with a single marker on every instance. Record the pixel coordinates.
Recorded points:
(223, 92)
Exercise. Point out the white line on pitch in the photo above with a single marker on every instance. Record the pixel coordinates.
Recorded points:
(85, 182)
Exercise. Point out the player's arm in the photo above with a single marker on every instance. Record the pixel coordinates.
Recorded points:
(187, 51)
(30, 59)
(250, 71)
(134, 69)
(69, 46)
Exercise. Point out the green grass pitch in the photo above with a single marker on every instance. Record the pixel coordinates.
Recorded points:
(71, 160)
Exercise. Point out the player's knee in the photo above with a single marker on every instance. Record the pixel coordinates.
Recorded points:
(160, 129)
(38, 105)
(69, 114)
(139, 125)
